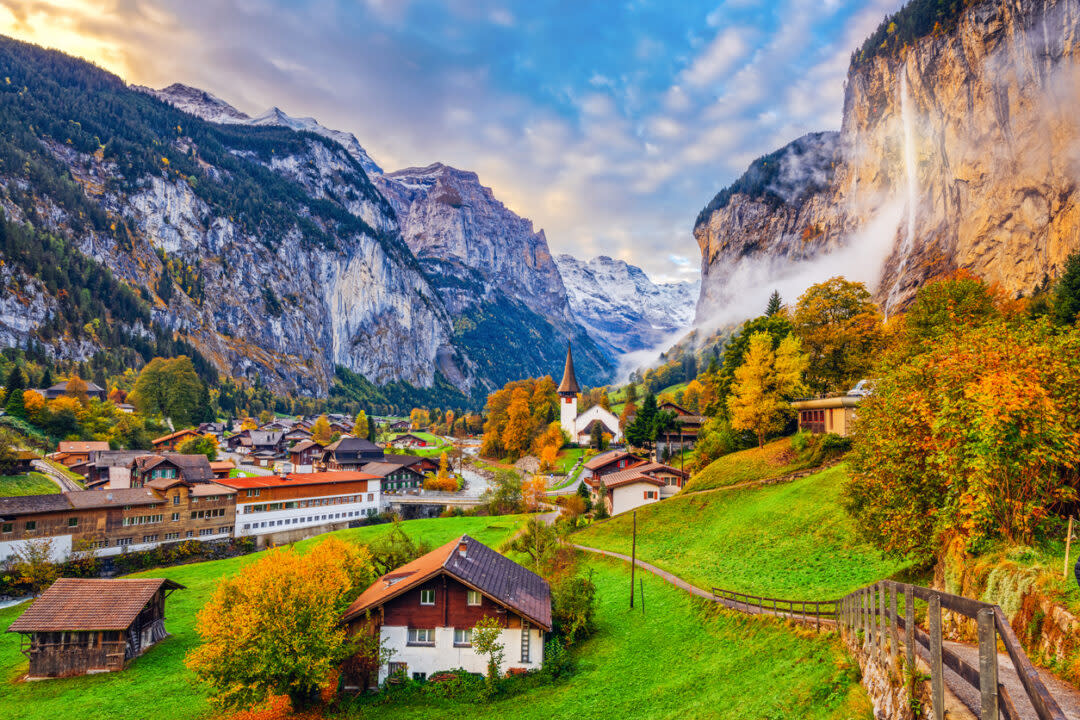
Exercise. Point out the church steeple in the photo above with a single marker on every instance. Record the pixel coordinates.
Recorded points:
(568, 386)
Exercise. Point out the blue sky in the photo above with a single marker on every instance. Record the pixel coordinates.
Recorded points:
(610, 125)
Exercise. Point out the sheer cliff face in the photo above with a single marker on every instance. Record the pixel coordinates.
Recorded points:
(961, 152)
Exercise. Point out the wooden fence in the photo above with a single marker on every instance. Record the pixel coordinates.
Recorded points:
(870, 617)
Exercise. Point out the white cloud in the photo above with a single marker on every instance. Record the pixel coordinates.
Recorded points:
(718, 58)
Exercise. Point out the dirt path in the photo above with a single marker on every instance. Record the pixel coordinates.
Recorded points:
(1066, 695)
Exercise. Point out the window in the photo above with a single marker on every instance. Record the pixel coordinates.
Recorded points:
(421, 636)
(427, 597)
(172, 536)
(73, 522)
(462, 637)
(176, 517)
(189, 534)
(253, 492)
(31, 525)
(123, 542)
(398, 667)
(247, 526)
(149, 538)
(206, 531)
(100, 544)
(472, 597)
(176, 499)
(419, 676)
(6, 527)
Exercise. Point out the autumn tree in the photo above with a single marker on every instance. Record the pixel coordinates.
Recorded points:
(77, 388)
(841, 332)
(549, 458)
(202, 445)
(970, 439)
(533, 491)
(541, 403)
(321, 432)
(265, 417)
(777, 327)
(419, 419)
(35, 407)
(692, 395)
(360, 427)
(517, 435)
(486, 641)
(170, 388)
(117, 396)
(763, 384)
(32, 564)
(946, 306)
(275, 628)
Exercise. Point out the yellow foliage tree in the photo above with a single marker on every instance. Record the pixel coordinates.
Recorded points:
(692, 395)
(360, 427)
(76, 388)
(763, 383)
(549, 456)
(419, 419)
(321, 431)
(274, 628)
(249, 423)
(533, 493)
(515, 438)
(841, 331)
(35, 406)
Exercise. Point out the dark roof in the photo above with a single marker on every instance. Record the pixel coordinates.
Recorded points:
(304, 445)
(90, 604)
(474, 564)
(569, 385)
(348, 448)
(264, 437)
(604, 459)
(90, 387)
(406, 460)
(115, 458)
(193, 468)
(31, 504)
(112, 497)
(382, 469)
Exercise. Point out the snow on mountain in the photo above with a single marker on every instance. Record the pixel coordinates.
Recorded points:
(213, 109)
(621, 307)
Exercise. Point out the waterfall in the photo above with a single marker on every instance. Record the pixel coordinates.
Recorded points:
(912, 183)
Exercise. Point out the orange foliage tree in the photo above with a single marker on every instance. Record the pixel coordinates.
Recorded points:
(533, 492)
(274, 628)
(535, 405)
(321, 432)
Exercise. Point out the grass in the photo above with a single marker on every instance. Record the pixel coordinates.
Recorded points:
(682, 658)
(776, 459)
(436, 444)
(790, 541)
(158, 685)
(567, 458)
(33, 483)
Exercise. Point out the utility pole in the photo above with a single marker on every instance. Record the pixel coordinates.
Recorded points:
(633, 560)
(1068, 544)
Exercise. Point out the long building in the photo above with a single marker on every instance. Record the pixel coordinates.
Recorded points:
(277, 509)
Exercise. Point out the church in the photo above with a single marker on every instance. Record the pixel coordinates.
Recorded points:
(579, 427)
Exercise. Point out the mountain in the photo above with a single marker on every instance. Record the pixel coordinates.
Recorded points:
(621, 306)
(959, 148)
(213, 109)
(494, 272)
(132, 227)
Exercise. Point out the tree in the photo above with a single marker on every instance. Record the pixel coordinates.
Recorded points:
(841, 331)
(549, 458)
(201, 445)
(1066, 299)
(77, 388)
(517, 435)
(35, 407)
(320, 430)
(504, 493)
(642, 431)
(949, 305)
(16, 380)
(573, 607)
(63, 416)
(763, 383)
(777, 327)
(596, 438)
(32, 564)
(360, 427)
(775, 304)
(419, 419)
(16, 406)
(170, 388)
(485, 641)
(532, 492)
(372, 433)
(631, 392)
(274, 628)
(265, 417)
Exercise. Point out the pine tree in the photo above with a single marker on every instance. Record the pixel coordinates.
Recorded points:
(15, 381)
(775, 304)
(642, 431)
(1066, 304)
(371, 433)
(596, 436)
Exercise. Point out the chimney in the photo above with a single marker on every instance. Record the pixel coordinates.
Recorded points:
(462, 547)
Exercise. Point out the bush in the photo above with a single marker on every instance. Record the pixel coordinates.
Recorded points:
(800, 440)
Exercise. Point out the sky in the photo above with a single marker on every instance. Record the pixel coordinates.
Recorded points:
(608, 124)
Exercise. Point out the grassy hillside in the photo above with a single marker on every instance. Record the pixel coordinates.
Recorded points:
(158, 685)
(681, 659)
(791, 540)
(776, 459)
(33, 483)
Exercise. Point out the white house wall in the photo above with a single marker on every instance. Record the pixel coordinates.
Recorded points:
(444, 656)
(261, 523)
(628, 497)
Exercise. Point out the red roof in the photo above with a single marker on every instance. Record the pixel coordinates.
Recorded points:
(90, 604)
(170, 436)
(293, 479)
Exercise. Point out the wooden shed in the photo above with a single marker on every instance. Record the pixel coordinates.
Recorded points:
(84, 626)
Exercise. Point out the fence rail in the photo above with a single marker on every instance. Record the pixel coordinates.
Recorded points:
(870, 616)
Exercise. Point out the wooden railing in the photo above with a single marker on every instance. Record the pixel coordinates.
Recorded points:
(869, 616)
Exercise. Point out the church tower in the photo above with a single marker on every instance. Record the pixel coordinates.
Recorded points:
(568, 392)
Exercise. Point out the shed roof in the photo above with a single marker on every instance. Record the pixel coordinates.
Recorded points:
(81, 446)
(475, 564)
(90, 604)
(174, 435)
(382, 469)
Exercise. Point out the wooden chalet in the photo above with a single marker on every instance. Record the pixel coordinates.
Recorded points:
(169, 443)
(75, 454)
(111, 468)
(399, 426)
(395, 477)
(189, 468)
(639, 483)
(306, 454)
(828, 415)
(686, 434)
(608, 462)
(351, 453)
(81, 626)
(409, 440)
(420, 463)
(222, 468)
(425, 611)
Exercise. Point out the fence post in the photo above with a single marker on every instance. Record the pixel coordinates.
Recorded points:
(937, 678)
(875, 636)
(909, 624)
(988, 665)
(866, 619)
(894, 639)
(883, 622)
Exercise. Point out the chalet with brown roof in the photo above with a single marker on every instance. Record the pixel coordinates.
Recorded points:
(396, 477)
(169, 443)
(24, 461)
(80, 626)
(686, 433)
(93, 391)
(222, 468)
(75, 454)
(305, 455)
(111, 468)
(425, 611)
(146, 469)
(608, 462)
(351, 453)
(640, 483)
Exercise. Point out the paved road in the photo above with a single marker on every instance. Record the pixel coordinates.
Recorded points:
(65, 483)
(1066, 695)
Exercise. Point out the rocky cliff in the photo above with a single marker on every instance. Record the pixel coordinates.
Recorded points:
(958, 149)
(621, 306)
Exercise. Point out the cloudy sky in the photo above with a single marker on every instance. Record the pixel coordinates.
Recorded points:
(609, 124)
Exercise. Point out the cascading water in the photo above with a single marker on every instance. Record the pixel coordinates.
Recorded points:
(912, 182)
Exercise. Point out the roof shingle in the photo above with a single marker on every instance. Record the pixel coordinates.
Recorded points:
(90, 604)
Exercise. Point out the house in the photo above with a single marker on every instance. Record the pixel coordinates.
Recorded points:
(425, 610)
(626, 490)
(189, 468)
(305, 455)
(689, 425)
(275, 509)
(351, 453)
(75, 454)
(674, 479)
(263, 458)
(93, 391)
(608, 462)
(828, 415)
(81, 625)
(395, 477)
(222, 468)
(579, 427)
(408, 440)
(125, 407)
(420, 463)
(296, 435)
(24, 461)
(112, 521)
(267, 441)
(214, 429)
(110, 468)
(399, 426)
(169, 443)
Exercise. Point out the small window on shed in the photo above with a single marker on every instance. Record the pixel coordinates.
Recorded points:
(472, 597)
(427, 597)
